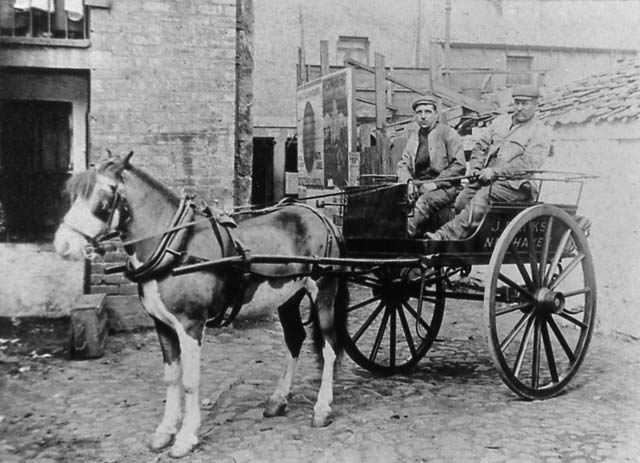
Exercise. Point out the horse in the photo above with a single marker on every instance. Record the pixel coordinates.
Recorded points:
(158, 233)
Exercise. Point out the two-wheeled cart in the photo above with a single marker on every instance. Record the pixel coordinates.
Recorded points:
(539, 292)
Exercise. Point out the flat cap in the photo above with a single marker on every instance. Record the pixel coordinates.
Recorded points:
(424, 99)
(525, 92)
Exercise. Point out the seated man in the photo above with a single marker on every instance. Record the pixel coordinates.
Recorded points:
(512, 144)
(432, 152)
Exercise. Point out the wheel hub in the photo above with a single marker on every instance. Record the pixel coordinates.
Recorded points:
(549, 301)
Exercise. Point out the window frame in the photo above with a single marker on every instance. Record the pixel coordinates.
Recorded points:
(516, 76)
(82, 42)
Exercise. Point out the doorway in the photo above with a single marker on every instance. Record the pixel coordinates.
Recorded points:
(262, 174)
(35, 150)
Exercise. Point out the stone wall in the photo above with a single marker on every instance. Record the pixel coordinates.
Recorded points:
(612, 202)
(35, 282)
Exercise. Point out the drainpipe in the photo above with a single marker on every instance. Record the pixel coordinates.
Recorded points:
(418, 60)
(447, 41)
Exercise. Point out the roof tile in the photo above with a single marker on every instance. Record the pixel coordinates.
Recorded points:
(610, 97)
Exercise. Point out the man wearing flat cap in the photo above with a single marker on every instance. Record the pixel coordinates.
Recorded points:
(512, 144)
(433, 151)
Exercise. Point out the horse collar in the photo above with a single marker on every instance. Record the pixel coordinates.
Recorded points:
(169, 250)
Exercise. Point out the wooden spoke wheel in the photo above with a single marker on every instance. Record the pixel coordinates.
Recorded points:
(540, 301)
(387, 330)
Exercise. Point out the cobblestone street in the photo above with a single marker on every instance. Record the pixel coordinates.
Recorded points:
(452, 408)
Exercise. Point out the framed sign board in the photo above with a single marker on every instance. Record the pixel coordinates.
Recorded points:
(326, 130)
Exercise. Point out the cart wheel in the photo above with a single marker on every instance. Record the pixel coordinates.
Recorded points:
(387, 332)
(541, 321)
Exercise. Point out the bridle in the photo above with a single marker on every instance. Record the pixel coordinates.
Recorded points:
(112, 228)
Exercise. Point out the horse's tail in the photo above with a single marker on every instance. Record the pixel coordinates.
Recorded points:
(340, 305)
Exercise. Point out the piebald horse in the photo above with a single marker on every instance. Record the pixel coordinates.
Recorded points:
(158, 231)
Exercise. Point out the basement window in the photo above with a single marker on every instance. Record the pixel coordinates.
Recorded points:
(50, 22)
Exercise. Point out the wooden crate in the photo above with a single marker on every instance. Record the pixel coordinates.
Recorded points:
(89, 328)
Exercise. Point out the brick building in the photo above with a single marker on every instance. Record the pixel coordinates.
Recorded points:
(169, 80)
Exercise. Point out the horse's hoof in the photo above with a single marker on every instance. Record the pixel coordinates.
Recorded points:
(161, 441)
(181, 448)
(321, 421)
(273, 409)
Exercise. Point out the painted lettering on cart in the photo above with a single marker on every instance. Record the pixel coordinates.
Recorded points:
(521, 240)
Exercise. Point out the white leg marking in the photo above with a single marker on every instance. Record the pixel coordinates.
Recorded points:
(278, 401)
(283, 389)
(172, 412)
(168, 427)
(322, 408)
(187, 437)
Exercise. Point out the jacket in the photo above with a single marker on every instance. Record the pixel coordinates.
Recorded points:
(511, 149)
(446, 156)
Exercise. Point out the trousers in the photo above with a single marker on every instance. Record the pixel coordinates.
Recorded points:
(472, 204)
(426, 205)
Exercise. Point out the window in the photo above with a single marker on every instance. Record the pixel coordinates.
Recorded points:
(519, 70)
(43, 19)
(356, 48)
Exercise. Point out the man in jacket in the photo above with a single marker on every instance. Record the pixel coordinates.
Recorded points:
(432, 152)
(513, 144)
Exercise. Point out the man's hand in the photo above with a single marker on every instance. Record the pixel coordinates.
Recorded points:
(428, 186)
(412, 191)
(486, 175)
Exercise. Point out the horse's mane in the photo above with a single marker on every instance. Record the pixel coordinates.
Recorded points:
(155, 184)
(83, 183)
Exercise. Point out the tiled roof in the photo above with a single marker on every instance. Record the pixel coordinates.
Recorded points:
(608, 97)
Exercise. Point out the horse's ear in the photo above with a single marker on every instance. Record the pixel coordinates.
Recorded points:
(127, 159)
(109, 154)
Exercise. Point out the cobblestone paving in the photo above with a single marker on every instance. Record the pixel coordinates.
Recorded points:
(452, 408)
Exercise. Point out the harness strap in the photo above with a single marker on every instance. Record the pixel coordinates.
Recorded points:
(168, 251)
(330, 226)
(215, 222)
(224, 318)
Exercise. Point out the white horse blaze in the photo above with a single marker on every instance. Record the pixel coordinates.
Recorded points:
(68, 242)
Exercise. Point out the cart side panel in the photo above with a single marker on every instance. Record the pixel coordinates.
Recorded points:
(376, 214)
(475, 250)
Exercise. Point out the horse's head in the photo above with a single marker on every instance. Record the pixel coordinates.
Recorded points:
(97, 209)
